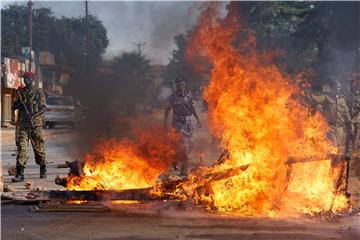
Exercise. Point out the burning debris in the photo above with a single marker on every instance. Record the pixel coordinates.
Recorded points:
(126, 164)
(259, 123)
(276, 158)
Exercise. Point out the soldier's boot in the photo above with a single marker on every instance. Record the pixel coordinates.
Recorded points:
(19, 177)
(43, 171)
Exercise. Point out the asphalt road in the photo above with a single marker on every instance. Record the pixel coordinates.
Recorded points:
(144, 223)
(160, 220)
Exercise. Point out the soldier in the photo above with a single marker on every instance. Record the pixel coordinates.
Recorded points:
(183, 108)
(355, 109)
(31, 106)
(337, 114)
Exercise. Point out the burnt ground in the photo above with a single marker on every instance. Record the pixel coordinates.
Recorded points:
(146, 221)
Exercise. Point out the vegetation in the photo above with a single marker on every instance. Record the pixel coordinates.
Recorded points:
(320, 39)
(64, 37)
(132, 79)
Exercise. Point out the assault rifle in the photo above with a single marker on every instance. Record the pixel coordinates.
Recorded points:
(18, 95)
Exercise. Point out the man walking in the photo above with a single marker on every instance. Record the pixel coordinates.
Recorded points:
(183, 108)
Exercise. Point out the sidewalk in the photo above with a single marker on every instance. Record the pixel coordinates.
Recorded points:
(59, 146)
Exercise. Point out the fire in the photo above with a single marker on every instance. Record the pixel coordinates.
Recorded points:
(278, 159)
(76, 202)
(127, 164)
(124, 202)
(252, 109)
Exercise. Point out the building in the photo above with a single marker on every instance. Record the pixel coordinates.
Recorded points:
(11, 78)
(48, 76)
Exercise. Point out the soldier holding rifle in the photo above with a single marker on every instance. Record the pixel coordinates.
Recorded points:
(31, 106)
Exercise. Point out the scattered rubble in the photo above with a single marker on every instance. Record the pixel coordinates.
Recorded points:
(28, 184)
(39, 189)
(8, 188)
(12, 171)
(61, 180)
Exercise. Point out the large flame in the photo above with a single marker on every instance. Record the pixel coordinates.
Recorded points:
(278, 157)
(128, 164)
(252, 109)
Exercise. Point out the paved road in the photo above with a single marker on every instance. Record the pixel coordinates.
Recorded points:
(144, 221)
(60, 147)
(61, 144)
(19, 223)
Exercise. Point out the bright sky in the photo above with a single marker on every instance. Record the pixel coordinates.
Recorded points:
(129, 22)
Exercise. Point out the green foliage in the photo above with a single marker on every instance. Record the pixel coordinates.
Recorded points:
(180, 66)
(13, 29)
(43, 26)
(275, 25)
(64, 37)
(320, 39)
(69, 39)
(132, 80)
(313, 36)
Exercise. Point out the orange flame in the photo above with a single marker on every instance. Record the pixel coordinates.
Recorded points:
(76, 202)
(118, 165)
(253, 111)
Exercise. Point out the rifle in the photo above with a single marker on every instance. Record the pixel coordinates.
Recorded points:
(26, 109)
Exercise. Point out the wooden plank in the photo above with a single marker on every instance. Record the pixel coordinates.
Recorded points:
(102, 195)
(63, 165)
(331, 157)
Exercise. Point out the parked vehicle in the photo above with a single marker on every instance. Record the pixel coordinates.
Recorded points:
(59, 110)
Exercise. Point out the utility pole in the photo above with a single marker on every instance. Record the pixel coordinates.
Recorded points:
(88, 81)
(138, 46)
(86, 31)
(358, 41)
(30, 23)
(30, 30)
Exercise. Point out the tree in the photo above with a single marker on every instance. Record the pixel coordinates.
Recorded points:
(70, 35)
(315, 36)
(64, 37)
(69, 44)
(180, 66)
(132, 79)
(13, 29)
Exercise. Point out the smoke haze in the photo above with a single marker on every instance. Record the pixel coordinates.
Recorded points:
(155, 23)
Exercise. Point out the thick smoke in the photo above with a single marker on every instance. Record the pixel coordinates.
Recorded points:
(127, 24)
(340, 56)
(155, 23)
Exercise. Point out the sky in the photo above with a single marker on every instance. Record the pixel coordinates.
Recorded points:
(129, 23)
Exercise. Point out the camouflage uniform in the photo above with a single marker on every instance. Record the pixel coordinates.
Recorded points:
(35, 102)
(183, 108)
(337, 114)
(355, 113)
(181, 119)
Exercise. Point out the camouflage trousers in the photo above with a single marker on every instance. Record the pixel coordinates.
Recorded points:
(183, 126)
(340, 137)
(36, 137)
(355, 138)
(183, 153)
